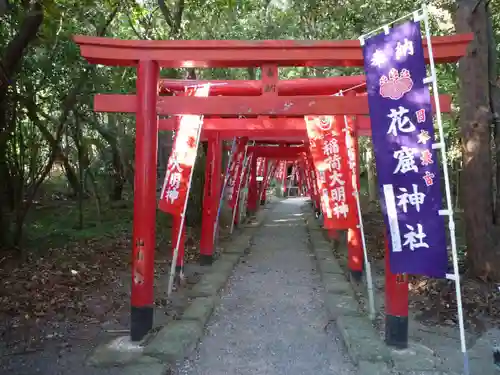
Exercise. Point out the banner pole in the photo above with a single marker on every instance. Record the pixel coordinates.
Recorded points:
(449, 205)
(368, 268)
(245, 163)
(183, 215)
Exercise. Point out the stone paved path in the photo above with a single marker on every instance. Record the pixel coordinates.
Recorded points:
(271, 319)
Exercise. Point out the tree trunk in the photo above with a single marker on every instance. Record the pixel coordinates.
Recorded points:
(475, 125)
(118, 173)
(370, 173)
(9, 63)
(54, 145)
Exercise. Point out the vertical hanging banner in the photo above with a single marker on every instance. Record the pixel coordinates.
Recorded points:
(403, 135)
(235, 168)
(270, 174)
(352, 152)
(307, 175)
(242, 181)
(296, 172)
(329, 156)
(311, 174)
(280, 171)
(260, 168)
(181, 161)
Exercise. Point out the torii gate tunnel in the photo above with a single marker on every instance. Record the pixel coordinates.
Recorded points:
(270, 112)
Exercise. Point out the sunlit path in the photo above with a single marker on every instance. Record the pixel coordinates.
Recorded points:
(271, 319)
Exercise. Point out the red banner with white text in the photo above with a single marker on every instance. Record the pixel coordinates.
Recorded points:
(246, 170)
(181, 162)
(270, 174)
(306, 174)
(328, 148)
(236, 171)
(280, 171)
(260, 167)
(312, 174)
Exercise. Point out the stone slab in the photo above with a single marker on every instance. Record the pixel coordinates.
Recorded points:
(118, 352)
(229, 258)
(175, 341)
(319, 241)
(200, 309)
(324, 254)
(336, 283)
(146, 369)
(329, 265)
(223, 267)
(416, 358)
(361, 340)
(373, 368)
(484, 366)
(341, 304)
(238, 246)
(209, 285)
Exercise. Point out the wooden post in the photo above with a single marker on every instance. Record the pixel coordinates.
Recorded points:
(207, 229)
(143, 237)
(396, 305)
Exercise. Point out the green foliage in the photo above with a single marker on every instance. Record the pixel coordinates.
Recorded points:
(49, 123)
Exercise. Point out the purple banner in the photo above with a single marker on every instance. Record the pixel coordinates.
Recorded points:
(407, 166)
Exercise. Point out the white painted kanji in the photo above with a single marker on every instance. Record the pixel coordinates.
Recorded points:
(414, 239)
(399, 121)
(404, 49)
(415, 198)
(406, 160)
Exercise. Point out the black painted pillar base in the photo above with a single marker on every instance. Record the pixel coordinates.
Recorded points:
(206, 260)
(141, 321)
(496, 356)
(356, 275)
(396, 331)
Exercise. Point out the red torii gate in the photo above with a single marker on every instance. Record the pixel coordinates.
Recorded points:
(149, 56)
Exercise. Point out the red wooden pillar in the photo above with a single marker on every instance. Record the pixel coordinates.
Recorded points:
(209, 195)
(355, 261)
(316, 198)
(143, 236)
(263, 186)
(333, 234)
(217, 182)
(237, 208)
(176, 226)
(299, 180)
(396, 305)
(253, 191)
(283, 180)
(355, 253)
